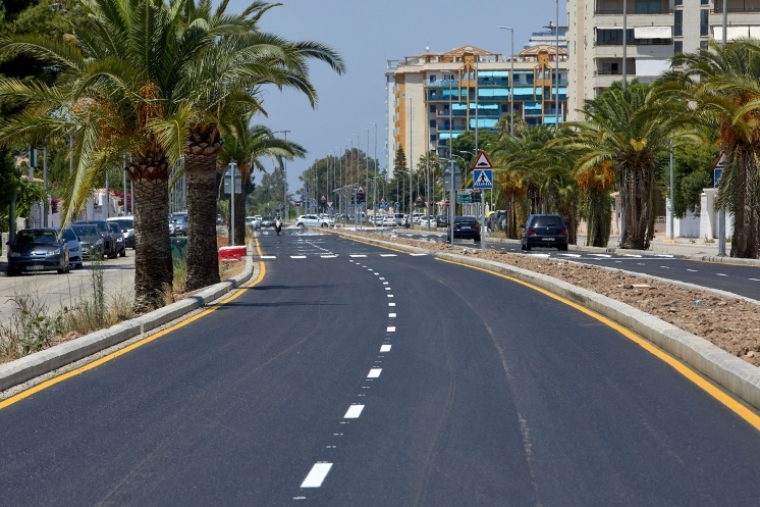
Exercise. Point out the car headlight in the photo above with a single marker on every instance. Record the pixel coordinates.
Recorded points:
(75, 249)
(57, 251)
(14, 254)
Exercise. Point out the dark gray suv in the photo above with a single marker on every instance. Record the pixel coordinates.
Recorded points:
(544, 231)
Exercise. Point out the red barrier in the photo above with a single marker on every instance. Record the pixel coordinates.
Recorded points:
(232, 253)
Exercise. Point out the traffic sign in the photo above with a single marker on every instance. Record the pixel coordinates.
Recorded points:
(716, 177)
(384, 205)
(360, 190)
(720, 163)
(298, 204)
(482, 178)
(482, 161)
(323, 199)
(464, 197)
(397, 205)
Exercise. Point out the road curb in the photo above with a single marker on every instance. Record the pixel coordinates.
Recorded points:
(736, 376)
(31, 366)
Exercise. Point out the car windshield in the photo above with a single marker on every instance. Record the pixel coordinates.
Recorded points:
(267, 218)
(114, 227)
(85, 230)
(125, 223)
(547, 222)
(180, 219)
(69, 235)
(27, 237)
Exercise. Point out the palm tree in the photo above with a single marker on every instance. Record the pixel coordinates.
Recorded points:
(117, 94)
(225, 83)
(723, 84)
(629, 129)
(248, 145)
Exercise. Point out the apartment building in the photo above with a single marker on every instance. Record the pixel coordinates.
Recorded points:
(654, 30)
(435, 97)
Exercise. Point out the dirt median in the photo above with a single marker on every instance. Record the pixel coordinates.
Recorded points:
(731, 324)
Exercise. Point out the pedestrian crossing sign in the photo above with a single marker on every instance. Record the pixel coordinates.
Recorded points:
(482, 178)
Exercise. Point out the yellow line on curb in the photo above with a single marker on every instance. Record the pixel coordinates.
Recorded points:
(738, 407)
(89, 366)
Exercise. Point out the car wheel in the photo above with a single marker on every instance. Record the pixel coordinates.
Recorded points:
(123, 253)
(324, 225)
(12, 272)
(78, 265)
(527, 248)
(562, 248)
(477, 239)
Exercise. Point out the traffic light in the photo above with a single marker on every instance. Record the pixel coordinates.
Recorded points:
(54, 205)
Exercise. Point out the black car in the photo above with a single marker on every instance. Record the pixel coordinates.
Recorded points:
(544, 231)
(127, 227)
(110, 248)
(442, 221)
(37, 249)
(267, 221)
(119, 237)
(466, 227)
(91, 240)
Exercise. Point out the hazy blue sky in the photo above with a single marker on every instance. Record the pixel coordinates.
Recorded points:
(367, 33)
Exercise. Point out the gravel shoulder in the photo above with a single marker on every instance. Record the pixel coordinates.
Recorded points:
(733, 324)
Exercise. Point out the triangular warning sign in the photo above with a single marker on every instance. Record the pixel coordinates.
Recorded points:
(360, 190)
(483, 180)
(721, 162)
(482, 161)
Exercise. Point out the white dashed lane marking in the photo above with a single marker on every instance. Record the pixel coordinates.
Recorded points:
(356, 255)
(390, 295)
(385, 348)
(721, 274)
(268, 256)
(391, 329)
(374, 373)
(317, 475)
(391, 304)
(387, 255)
(354, 411)
(691, 270)
(297, 256)
(391, 315)
(754, 279)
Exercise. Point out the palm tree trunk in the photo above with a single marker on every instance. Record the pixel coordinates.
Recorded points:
(239, 220)
(202, 252)
(154, 272)
(744, 243)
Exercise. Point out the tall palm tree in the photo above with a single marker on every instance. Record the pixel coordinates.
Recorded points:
(723, 84)
(248, 145)
(629, 129)
(118, 87)
(226, 80)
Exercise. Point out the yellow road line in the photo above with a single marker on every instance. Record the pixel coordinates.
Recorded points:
(60, 378)
(706, 385)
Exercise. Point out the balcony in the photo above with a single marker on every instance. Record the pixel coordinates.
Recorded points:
(444, 83)
(646, 7)
(737, 6)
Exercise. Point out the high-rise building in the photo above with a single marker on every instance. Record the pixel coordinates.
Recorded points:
(435, 97)
(655, 29)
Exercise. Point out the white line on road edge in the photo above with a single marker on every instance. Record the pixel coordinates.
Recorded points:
(391, 304)
(353, 412)
(391, 329)
(388, 255)
(570, 255)
(297, 256)
(632, 255)
(354, 255)
(419, 255)
(385, 348)
(606, 256)
(374, 373)
(664, 255)
(316, 475)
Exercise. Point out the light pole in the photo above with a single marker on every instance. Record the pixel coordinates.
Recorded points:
(556, 86)
(411, 154)
(366, 170)
(625, 43)
(374, 179)
(511, 80)
(722, 212)
(284, 176)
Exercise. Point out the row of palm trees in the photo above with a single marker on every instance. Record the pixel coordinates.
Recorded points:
(143, 83)
(627, 134)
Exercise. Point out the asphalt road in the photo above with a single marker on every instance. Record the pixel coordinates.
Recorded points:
(55, 291)
(741, 280)
(358, 376)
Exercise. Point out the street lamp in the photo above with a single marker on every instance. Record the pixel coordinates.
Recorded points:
(511, 80)
(374, 180)
(284, 175)
(411, 154)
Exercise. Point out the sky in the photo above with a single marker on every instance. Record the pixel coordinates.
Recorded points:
(368, 33)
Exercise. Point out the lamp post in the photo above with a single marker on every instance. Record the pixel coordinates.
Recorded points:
(374, 179)
(625, 43)
(511, 80)
(411, 154)
(556, 86)
(722, 212)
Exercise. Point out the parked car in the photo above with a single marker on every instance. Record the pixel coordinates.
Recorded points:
(442, 221)
(466, 227)
(253, 222)
(37, 249)
(389, 221)
(377, 220)
(267, 221)
(428, 221)
(416, 217)
(119, 237)
(110, 249)
(179, 221)
(90, 239)
(314, 221)
(399, 217)
(74, 247)
(544, 231)
(127, 227)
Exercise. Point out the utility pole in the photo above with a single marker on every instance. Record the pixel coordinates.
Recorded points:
(284, 176)
(722, 212)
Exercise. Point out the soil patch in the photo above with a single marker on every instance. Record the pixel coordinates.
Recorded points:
(731, 324)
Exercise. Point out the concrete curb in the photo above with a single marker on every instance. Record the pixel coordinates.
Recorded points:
(31, 366)
(736, 376)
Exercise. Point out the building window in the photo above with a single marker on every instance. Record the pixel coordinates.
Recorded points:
(705, 2)
(433, 138)
(678, 46)
(704, 22)
(432, 109)
(432, 124)
(678, 2)
(432, 78)
(678, 23)
(703, 44)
